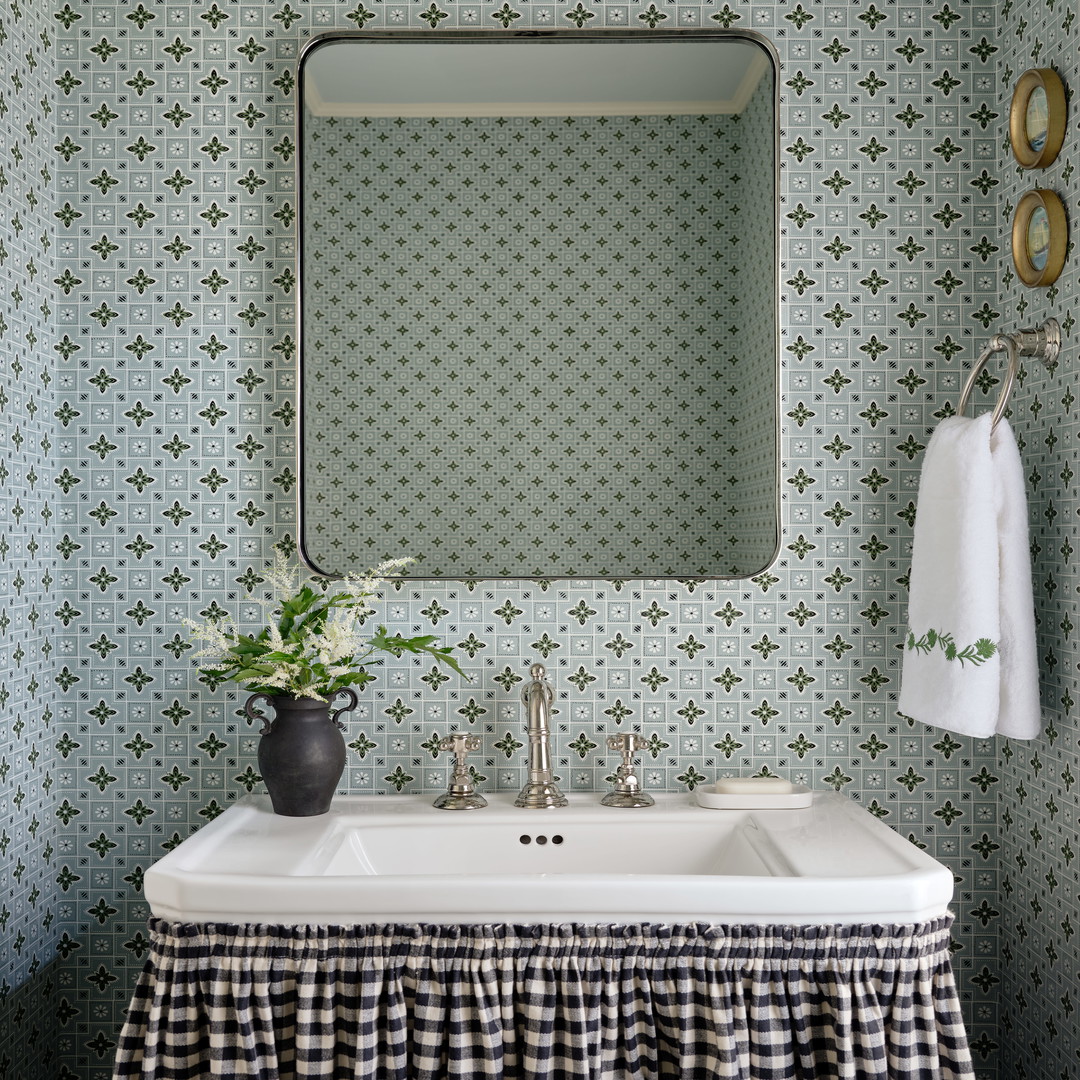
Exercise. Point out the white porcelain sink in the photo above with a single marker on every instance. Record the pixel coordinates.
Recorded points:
(396, 858)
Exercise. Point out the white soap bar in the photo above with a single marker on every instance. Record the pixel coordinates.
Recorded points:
(753, 785)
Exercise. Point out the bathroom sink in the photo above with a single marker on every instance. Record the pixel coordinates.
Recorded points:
(395, 858)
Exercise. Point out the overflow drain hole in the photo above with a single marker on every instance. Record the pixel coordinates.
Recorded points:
(525, 839)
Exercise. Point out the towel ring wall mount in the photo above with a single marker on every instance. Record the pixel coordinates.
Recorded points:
(1043, 341)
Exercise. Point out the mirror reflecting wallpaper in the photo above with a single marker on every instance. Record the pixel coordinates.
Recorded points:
(538, 304)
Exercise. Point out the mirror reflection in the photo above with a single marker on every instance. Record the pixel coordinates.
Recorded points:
(538, 317)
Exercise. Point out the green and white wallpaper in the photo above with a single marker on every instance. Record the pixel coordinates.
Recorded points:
(1039, 897)
(147, 387)
(33, 715)
(566, 294)
(748, 332)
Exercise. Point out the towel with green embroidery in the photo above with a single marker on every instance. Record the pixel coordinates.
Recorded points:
(970, 663)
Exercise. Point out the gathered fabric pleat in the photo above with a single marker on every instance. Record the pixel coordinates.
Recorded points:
(551, 1002)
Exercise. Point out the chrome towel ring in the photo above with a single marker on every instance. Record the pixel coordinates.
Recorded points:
(1044, 342)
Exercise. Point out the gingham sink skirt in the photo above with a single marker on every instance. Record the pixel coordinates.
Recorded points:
(548, 1002)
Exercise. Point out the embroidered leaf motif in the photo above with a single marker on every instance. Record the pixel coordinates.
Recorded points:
(975, 654)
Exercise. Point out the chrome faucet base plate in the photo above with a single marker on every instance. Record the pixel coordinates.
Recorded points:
(452, 800)
(541, 795)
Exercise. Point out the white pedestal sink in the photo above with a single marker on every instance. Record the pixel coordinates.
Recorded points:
(383, 859)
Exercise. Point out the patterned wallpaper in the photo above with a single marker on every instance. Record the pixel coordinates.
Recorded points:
(173, 365)
(562, 343)
(30, 716)
(1039, 899)
(751, 403)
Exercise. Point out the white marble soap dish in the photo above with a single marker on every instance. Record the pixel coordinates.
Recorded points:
(753, 793)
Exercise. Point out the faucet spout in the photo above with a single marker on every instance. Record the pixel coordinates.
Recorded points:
(540, 791)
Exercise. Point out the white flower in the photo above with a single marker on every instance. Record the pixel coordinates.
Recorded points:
(310, 643)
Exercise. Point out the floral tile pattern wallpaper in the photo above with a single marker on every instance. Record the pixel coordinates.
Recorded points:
(147, 387)
(584, 337)
(31, 716)
(1039, 899)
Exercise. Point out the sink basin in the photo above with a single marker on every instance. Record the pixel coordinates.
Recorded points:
(395, 858)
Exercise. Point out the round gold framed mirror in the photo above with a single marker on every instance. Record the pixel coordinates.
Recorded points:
(1039, 238)
(1037, 118)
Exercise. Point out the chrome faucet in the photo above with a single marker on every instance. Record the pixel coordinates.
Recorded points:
(627, 791)
(540, 791)
(461, 795)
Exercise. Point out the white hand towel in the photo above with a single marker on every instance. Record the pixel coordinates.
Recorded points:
(970, 662)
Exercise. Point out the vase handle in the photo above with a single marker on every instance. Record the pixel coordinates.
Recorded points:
(353, 702)
(259, 716)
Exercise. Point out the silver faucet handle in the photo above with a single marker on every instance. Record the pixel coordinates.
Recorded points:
(461, 794)
(461, 744)
(627, 792)
(627, 743)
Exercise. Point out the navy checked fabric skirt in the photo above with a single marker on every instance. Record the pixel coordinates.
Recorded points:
(546, 1003)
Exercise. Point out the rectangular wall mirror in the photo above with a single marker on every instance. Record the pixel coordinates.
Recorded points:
(538, 304)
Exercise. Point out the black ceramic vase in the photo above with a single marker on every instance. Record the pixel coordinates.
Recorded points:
(301, 753)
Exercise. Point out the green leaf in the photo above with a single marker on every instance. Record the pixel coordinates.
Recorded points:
(424, 643)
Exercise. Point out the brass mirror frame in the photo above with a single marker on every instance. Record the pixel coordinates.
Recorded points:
(1048, 81)
(1057, 242)
(561, 34)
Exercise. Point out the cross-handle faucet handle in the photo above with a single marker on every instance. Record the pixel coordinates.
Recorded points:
(462, 745)
(627, 791)
(460, 795)
(627, 743)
